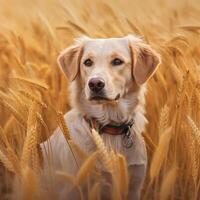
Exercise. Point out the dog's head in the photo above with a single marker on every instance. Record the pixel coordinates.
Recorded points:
(109, 68)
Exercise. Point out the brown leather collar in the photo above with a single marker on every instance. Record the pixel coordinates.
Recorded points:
(111, 129)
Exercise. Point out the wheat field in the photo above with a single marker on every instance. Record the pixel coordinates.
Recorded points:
(34, 96)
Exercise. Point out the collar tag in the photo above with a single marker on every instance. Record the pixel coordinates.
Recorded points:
(127, 140)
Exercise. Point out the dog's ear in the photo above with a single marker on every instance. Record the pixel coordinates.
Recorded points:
(145, 60)
(69, 60)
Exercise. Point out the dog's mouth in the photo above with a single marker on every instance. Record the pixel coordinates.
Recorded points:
(103, 98)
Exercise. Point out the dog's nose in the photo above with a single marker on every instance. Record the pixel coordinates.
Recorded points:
(96, 84)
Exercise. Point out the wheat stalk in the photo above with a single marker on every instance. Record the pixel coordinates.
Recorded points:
(71, 179)
(168, 183)
(86, 169)
(123, 175)
(30, 184)
(3, 138)
(79, 152)
(18, 100)
(160, 153)
(95, 192)
(116, 190)
(35, 84)
(15, 113)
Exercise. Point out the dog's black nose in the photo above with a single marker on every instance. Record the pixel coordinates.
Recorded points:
(96, 84)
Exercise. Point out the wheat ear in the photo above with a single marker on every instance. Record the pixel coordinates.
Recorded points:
(102, 150)
(29, 153)
(193, 149)
(65, 131)
(62, 124)
(195, 129)
(6, 162)
(164, 119)
(33, 98)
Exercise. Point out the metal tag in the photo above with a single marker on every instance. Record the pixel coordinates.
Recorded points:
(127, 140)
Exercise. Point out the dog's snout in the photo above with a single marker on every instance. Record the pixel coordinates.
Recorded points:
(96, 84)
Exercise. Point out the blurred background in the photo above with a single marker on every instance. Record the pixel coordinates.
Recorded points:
(32, 33)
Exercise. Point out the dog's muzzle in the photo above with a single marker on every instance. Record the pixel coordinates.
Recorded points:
(97, 93)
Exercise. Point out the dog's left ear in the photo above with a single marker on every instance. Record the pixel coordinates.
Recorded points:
(69, 60)
(145, 60)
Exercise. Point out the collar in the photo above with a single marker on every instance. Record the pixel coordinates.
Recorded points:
(111, 129)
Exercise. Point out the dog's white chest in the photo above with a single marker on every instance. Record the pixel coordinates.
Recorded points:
(80, 132)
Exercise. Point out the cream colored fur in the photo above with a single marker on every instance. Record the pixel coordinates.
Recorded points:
(130, 105)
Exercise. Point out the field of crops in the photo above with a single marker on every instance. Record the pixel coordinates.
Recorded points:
(33, 94)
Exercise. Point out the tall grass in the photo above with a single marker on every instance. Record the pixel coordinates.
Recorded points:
(33, 94)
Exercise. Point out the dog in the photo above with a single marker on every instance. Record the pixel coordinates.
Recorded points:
(107, 84)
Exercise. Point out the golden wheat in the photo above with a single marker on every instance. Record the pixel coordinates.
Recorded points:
(86, 169)
(160, 153)
(95, 192)
(33, 94)
(168, 184)
(123, 175)
(102, 150)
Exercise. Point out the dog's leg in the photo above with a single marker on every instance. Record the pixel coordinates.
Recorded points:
(137, 175)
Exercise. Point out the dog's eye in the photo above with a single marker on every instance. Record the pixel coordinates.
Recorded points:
(88, 62)
(117, 61)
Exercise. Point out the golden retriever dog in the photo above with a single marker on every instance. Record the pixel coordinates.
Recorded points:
(107, 85)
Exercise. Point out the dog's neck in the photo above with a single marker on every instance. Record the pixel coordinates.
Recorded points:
(124, 110)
